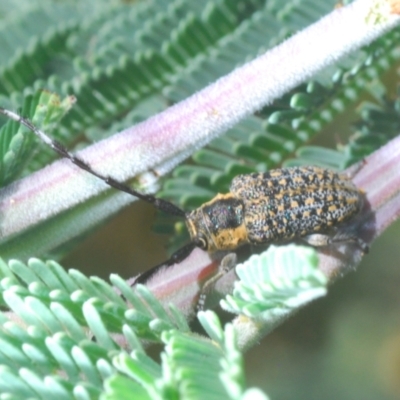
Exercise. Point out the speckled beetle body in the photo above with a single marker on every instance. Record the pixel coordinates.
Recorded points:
(277, 205)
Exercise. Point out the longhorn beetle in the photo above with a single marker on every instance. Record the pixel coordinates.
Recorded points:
(278, 205)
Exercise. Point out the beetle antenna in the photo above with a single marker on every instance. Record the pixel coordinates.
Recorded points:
(176, 258)
(61, 150)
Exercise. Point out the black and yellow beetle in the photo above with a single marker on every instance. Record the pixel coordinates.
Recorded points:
(260, 208)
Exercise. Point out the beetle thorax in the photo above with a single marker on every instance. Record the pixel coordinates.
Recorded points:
(219, 223)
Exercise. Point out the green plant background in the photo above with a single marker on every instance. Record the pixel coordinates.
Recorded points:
(345, 346)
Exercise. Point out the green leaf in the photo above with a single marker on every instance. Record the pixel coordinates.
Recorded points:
(275, 282)
(44, 109)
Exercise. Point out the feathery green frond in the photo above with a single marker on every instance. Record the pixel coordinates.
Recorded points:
(67, 334)
(192, 367)
(17, 143)
(275, 281)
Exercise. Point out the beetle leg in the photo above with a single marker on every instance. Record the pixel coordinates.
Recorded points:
(348, 237)
(319, 240)
(227, 263)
